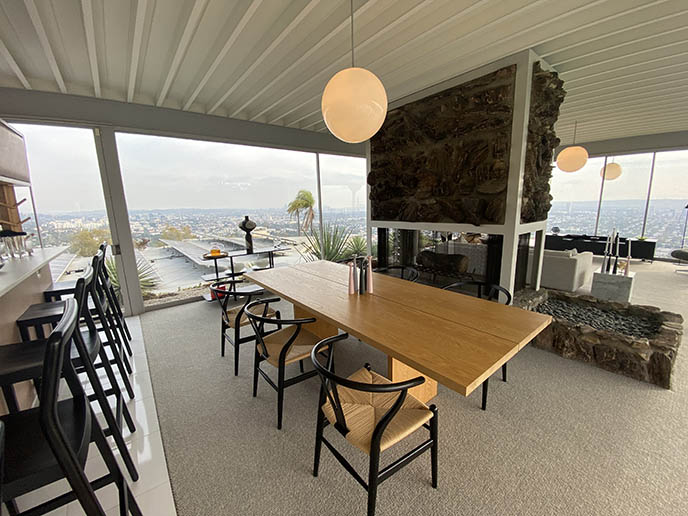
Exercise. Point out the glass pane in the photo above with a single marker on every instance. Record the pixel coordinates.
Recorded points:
(624, 198)
(344, 194)
(186, 196)
(667, 214)
(575, 198)
(69, 196)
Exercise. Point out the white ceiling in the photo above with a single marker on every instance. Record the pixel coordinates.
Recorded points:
(625, 62)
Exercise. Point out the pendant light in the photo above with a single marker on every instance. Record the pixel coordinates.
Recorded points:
(354, 102)
(610, 172)
(572, 158)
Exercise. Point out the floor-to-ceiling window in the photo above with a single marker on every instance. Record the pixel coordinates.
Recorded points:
(624, 198)
(623, 202)
(186, 196)
(575, 199)
(68, 192)
(344, 200)
(666, 219)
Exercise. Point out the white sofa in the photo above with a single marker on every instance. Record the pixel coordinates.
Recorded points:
(564, 270)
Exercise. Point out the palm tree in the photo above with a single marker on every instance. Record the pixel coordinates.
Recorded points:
(303, 201)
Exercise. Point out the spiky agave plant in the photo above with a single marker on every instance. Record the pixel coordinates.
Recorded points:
(356, 246)
(331, 247)
(148, 278)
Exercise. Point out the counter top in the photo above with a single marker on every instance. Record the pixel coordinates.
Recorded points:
(16, 271)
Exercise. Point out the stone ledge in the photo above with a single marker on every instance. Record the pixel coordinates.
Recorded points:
(649, 359)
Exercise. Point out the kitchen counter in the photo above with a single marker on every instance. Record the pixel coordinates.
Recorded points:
(16, 271)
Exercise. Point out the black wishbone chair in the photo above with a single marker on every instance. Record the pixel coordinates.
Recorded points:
(233, 319)
(51, 442)
(401, 271)
(279, 348)
(488, 291)
(354, 406)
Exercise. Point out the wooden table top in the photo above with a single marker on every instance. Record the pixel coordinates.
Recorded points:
(458, 340)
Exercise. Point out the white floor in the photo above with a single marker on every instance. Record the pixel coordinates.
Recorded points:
(152, 490)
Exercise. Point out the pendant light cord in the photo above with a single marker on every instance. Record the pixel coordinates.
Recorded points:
(575, 126)
(352, 33)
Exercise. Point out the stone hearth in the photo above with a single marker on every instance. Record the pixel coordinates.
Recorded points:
(634, 340)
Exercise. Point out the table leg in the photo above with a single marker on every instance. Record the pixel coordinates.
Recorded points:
(217, 272)
(398, 372)
(320, 328)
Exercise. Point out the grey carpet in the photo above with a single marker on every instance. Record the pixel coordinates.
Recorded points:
(560, 438)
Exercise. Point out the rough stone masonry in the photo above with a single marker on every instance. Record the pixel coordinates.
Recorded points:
(638, 341)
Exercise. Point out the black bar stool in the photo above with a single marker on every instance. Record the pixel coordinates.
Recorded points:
(488, 291)
(233, 319)
(51, 442)
(38, 315)
(108, 295)
(24, 361)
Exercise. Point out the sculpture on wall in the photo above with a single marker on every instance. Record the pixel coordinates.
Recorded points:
(546, 96)
(445, 158)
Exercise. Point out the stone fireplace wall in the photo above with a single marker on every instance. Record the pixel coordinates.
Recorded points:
(445, 158)
(546, 95)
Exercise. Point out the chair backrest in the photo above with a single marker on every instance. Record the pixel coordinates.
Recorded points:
(257, 315)
(331, 382)
(222, 293)
(481, 289)
(70, 454)
(403, 271)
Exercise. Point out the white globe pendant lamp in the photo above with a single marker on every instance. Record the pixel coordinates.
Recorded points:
(573, 158)
(354, 102)
(611, 171)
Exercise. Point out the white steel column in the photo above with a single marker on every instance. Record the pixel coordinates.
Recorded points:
(519, 136)
(320, 203)
(538, 254)
(118, 217)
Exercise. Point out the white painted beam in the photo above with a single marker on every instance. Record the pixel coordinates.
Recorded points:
(630, 92)
(606, 34)
(296, 64)
(45, 43)
(625, 82)
(270, 48)
(189, 31)
(141, 7)
(248, 14)
(17, 104)
(635, 144)
(344, 59)
(4, 52)
(89, 29)
(632, 41)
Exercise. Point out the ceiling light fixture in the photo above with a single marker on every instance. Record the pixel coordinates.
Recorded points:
(354, 102)
(572, 158)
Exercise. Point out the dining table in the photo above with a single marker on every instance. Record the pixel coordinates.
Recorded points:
(455, 339)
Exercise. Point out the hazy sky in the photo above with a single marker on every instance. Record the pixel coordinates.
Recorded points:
(670, 178)
(161, 172)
